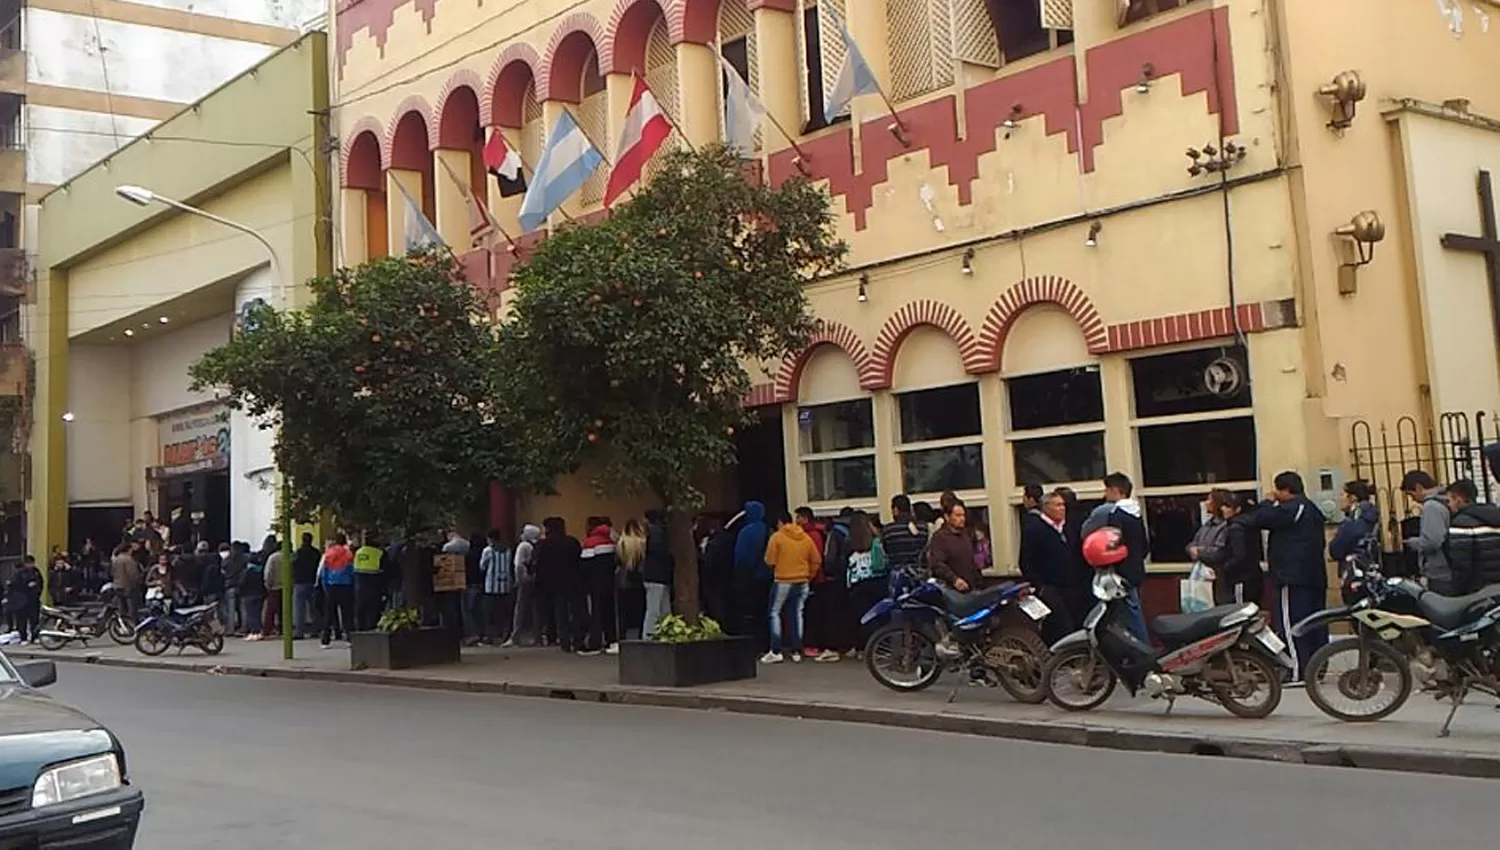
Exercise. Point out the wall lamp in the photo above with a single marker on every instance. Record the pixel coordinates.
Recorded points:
(1148, 73)
(1346, 91)
(1364, 230)
(1011, 123)
(68, 416)
(1094, 228)
(863, 296)
(968, 263)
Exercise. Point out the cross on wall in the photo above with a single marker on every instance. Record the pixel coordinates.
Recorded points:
(1486, 244)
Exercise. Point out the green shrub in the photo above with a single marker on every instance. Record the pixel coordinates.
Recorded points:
(400, 619)
(676, 629)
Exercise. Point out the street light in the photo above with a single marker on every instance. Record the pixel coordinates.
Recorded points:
(141, 196)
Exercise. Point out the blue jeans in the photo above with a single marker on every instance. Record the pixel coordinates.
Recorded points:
(658, 605)
(302, 601)
(251, 606)
(230, 614)
(791, 595)
(1136, 618)
(473, 613)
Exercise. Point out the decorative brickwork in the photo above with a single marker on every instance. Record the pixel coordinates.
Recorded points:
(561, 73)
(1029, 293)
(408, 138)
(840, 336)
(502, 100)
(938, 315)
(455, 127)
(360, 164)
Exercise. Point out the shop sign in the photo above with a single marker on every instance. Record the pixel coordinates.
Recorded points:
(194, 441)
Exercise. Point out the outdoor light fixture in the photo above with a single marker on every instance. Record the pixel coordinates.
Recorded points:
(1211, 160)
(1346, 91)
(68, 417)
(1143, 85)
(968, 263)
(1010, 123)
(137, 195)
(863, 296)
(163, 319)
(1364, 230)
(129, 332)
(1093, 240)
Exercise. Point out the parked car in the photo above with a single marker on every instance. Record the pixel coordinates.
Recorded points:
(62, 774)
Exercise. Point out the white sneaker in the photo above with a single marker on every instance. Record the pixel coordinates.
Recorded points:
(612, 649)
(773, 658)
(827, 655)
(796, 657)
(508, 644)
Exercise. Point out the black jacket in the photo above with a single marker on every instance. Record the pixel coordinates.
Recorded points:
(658, 563)
(1239, 559)
(559, 564)
(305, 565)
(1474, 548)
(1045, 558)
(1294, 549)
(1137, 543)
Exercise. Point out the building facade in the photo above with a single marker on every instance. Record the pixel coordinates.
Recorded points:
(130, 296)
(1086, 235)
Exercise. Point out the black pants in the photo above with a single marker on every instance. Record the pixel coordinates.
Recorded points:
(602, 617)
(1294, 603)
(1060, 623)
(750, 600)
(830, 621)
(25, 619)
(862, 597)
(632, 611)
(369, 598)
(564, 609)
(338, 610)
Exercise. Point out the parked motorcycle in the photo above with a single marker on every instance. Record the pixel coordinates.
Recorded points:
(1405, 637)
(1225, 655)
(64, 624)
(181, 627)
(991, 633)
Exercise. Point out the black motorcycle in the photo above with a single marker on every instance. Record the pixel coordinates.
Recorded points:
(166, 627)
(64, 624)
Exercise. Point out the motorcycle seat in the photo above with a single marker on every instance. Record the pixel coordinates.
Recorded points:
(196, 609)
(1185, 628)
(1450, 612)
(961, 605)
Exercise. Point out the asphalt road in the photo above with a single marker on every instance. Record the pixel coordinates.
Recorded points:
(230, 762)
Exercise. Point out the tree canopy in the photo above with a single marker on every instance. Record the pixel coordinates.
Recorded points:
(380, 388)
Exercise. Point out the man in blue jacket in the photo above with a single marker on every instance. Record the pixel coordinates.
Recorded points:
(752, 578)
(1295, 555)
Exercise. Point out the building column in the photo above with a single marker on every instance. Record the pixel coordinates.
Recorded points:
(1119, 437)
(698, 80)
(779, 67)
(1093, 25)
(395, 221)
(796, 475)
(47, 509)
(354, 223)
(450, 199)
(888, 482)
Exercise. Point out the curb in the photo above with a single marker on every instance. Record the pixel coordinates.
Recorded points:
(1368, 757)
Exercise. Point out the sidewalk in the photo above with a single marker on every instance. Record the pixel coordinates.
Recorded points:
(1297, 733)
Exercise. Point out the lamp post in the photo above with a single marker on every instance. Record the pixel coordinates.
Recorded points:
(145, 197)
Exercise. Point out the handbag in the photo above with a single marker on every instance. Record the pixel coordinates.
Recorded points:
(1196, 592)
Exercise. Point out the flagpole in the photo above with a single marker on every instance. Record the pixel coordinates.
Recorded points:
(898, 128)
(609, 163)
(414, 206)
(475, 199)
(635, 75)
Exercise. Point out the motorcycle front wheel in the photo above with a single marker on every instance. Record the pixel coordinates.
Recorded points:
(1255, 690)
(121, 630)
(902, 659)
(1354, 691)
(1077, 679)
(151, 642)
(1017, 656)
(53, 624)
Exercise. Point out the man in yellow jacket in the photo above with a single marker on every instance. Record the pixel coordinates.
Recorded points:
(794, 558)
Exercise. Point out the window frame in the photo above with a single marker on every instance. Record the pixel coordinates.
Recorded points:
(900, 448)
(810, 34)
(1013, 436)
(804, 458)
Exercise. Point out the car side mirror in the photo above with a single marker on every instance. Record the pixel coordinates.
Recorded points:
(37, 674)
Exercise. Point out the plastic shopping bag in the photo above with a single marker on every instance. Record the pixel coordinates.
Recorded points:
(1196, 592)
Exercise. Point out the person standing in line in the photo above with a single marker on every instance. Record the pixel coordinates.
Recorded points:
(1432, 501)
(631, 554)
(369, 583)
(903, 539)
(656, 572)
(127, 576)
(23, 599)
(527, 613)
(230, 613)
(838, 626)
(499, 589)
(304, 580)
(1045, 561)
(1031, 497)
(868, 573)
(1295, 553)
(752, 578)
(1208, 540)
(559, 582)
(597, 570)
(1238, 577)
(253, 588)
(1361, 521)
(816, 633)
(1078, 587)
(211, 578)
(1473, 539)
(270, 608)
(336, 578)
(793, 560)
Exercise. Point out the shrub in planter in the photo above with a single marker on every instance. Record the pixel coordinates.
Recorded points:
(685, 654)
(399, 642)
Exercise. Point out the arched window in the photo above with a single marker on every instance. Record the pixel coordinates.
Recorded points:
(991, 33)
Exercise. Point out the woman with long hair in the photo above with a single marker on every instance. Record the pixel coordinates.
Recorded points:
(869, 577)
(630, 590)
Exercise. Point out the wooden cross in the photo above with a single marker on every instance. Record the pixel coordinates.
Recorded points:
(1486, 244)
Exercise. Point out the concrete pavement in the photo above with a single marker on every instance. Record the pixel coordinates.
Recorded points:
(232, 763)
(1297, 733)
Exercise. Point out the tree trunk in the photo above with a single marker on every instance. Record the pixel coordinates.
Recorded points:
(685, 572)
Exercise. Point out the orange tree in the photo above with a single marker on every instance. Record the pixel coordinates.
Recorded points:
(379, 389)
(627, 341)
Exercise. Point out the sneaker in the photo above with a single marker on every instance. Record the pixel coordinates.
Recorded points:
(773, 658)
(325, 645)
(811, 652)
(590, 652)
(612, 649)
(508, 644)
(826, 656)
(252, 637)
(796, 657)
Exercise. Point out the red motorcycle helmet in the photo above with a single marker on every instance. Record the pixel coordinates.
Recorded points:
(1104, 548)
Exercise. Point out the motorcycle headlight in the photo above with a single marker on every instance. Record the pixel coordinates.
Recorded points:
(75, 779)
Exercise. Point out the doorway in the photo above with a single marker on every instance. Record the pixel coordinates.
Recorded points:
(761, 471)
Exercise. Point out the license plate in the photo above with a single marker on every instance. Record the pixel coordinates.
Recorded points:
(1270, 640)
(1035, 608)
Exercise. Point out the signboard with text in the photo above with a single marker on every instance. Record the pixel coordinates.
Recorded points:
(193, 441)
(448, 573)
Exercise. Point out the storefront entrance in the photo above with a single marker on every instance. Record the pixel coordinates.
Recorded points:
(204, 500)
(192, 482)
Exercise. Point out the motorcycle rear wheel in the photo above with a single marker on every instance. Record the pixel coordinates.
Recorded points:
(1022, 680)
(121, 630)
(1253, 669)
(151, 642)
(52, 642)
(892, 647)
(212, 645)
(1067, 668)
(1386, 672)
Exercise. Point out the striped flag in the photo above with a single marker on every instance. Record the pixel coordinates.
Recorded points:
(855, 78)
(417, 232)
(568, 161)
(646, 130)
(743, 111)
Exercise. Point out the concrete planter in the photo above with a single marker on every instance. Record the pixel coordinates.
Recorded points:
(404, 649)
(679, 665)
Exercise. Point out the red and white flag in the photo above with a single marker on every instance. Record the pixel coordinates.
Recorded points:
(646, 130)
(482, 224)
(500, 159)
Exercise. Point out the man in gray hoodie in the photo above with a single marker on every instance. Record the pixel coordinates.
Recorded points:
(525, 567)
(1428, 544)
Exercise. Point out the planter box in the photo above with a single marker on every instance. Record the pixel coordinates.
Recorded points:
(679, 665)
(404, 649)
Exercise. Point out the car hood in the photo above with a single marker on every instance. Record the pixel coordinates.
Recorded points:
(36, 730)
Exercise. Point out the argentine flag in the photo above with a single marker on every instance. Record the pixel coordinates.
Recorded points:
(567, 162)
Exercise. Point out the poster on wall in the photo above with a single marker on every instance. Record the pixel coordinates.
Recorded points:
(448, 573)
(191, 441)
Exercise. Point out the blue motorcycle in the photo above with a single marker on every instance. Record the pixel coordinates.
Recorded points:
(930, 628)
(167, 626)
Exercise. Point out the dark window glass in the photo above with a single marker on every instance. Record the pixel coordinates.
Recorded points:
(935, 470)
(940, 414)
(593, 81)
(1139, 10)
(1066, 397)
(1075, 457)
(836, 427)
(1019, 26)
(812, 59)
(1170, 384)
(737, 53)
(1198, 452)
(843, 478)
(1173, 520)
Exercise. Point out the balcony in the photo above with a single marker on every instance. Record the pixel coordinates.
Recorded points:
(15, 273)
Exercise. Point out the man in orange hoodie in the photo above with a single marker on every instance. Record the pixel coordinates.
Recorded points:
(794, 558)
